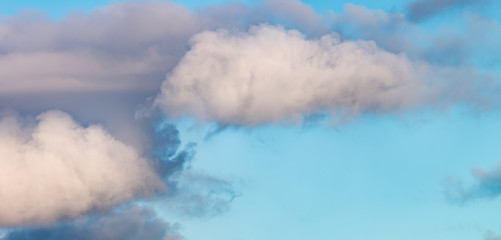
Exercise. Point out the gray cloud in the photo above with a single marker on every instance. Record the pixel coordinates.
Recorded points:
(487, 185)
(132, 223)
(53, 168)
(120, 47)
(419, 10)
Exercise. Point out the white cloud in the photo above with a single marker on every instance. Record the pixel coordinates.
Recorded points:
(269, 74)
(54, 168)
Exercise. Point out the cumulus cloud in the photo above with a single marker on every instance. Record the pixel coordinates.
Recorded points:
(487, 185)
(422, 9)
(269, 74)
(131, 223)
(53, 168)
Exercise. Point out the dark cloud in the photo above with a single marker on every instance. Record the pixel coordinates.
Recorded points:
(487, 185)
(131, 223)
(419, 10)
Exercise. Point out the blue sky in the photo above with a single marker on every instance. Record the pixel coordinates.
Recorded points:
(382, 178)
(407, 148)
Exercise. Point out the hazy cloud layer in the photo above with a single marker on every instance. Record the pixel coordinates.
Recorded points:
(272, 75)
(487, 185)
(132, 223)
(53, 168)
(422, 9)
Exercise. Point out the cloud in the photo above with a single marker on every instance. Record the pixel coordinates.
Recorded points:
(101, 65)
(53, 168)
(190, 193)
(131, 223)
(419, 10)
(491, 236)
(487, 185)
(390, 30)
(119, 47)
(296, 13)
(471, 39)
(269, 74)
(199, 195)
(125, 46)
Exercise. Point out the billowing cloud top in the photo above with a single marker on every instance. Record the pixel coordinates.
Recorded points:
(56, 169)
(274, 75)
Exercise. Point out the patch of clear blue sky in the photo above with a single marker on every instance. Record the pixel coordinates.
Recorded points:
(377, 178)
(57, 9)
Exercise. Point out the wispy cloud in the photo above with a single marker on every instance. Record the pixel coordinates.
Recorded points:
(419, 10)
(487, 185)
(490, 235)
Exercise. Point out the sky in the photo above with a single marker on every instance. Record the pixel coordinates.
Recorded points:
(244, 120)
